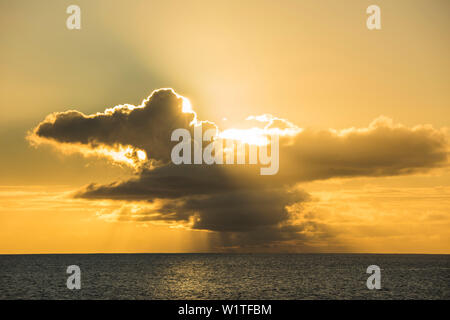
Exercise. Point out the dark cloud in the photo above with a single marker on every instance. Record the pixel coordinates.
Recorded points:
(147, 127)
(215, 198)
(171, 182)
(242, 218)
(241, 206)
(238, 211)
(382, 149)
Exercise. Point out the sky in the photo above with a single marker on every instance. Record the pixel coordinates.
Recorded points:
(363, 117)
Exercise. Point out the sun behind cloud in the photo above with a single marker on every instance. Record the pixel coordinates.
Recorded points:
(214, 198)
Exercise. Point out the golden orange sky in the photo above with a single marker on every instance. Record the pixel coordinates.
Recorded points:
(313, 63)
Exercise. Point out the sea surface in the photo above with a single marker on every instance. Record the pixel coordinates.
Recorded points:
(224, 276)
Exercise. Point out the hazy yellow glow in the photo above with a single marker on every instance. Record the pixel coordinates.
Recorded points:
(235, 60)
(127, 155)
(141, 155)
(254, 136)
(187, 107)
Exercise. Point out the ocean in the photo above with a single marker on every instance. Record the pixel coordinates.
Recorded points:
(225, 276)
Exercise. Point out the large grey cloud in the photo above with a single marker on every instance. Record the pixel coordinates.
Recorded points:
(235, 211)
(235, 201)
(147, 127)
(382, 149)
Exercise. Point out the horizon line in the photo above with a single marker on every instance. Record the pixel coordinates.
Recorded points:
(261, 253)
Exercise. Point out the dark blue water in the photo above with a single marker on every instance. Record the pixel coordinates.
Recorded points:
(225, 276)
